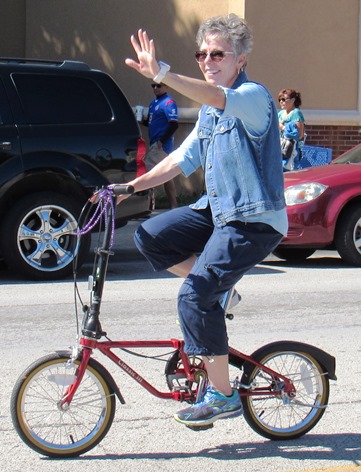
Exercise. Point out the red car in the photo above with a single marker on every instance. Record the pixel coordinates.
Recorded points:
(324, 210)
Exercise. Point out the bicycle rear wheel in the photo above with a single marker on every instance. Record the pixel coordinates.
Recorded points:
(56, 432)
(279, 417)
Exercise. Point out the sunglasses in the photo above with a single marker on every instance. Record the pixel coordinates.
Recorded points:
(216, 56)
(157, 85)
(283, 99)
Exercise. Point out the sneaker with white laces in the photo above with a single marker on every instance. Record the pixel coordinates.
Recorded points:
(213, 406)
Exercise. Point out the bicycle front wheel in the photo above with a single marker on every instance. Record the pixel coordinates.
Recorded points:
(54, 431)
(276, 416)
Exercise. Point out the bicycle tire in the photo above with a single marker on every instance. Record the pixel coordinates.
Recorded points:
(62, 433)
(274, 417)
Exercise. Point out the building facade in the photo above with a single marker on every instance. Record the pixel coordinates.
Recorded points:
(312, 46)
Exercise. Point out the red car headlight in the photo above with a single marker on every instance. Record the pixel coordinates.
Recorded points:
(303, 193)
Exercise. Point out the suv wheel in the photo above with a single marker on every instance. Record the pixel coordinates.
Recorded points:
(38, 241)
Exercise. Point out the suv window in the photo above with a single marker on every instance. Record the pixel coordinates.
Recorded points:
(61, 100)
(5, 114)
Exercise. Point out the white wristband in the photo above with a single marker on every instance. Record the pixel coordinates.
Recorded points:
(164, 68)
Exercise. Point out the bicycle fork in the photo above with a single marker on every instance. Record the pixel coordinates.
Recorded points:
(64, 403)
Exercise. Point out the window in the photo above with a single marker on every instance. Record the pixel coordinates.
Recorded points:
(50, 99)
(5, 115)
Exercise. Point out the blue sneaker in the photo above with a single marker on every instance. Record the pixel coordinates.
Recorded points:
(213, 406)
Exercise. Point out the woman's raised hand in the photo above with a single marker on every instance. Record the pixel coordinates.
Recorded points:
(144, 48)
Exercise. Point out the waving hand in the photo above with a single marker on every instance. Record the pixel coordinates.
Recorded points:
(144, 48)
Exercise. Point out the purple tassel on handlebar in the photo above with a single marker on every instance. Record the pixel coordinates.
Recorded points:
(104, 200)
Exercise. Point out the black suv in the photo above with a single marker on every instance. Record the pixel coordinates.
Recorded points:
(65, 129)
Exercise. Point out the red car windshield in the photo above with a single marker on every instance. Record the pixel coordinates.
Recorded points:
(350, 157)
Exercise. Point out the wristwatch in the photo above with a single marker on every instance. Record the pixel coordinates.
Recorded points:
(164, 68)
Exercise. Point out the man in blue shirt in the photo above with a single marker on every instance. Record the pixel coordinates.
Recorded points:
(162, 123)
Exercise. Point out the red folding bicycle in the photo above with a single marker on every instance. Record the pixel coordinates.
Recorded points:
(64, 403)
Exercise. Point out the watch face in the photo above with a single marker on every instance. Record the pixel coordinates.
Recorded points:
(164, 66)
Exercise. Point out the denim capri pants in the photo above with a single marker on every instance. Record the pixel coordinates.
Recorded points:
(225, 254)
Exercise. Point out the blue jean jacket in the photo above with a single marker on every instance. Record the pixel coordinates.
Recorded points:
(243, 168)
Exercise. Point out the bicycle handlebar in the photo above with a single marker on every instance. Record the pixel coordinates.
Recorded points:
(122, 189)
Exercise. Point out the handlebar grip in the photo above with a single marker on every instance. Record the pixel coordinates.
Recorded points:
(123, 189)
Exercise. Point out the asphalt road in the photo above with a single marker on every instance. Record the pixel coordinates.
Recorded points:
(317, 303)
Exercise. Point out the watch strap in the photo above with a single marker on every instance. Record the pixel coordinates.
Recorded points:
(164, 68)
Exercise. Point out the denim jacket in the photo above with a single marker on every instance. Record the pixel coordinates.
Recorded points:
(243, 170)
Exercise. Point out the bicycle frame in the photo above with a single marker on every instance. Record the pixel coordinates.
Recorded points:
(105, 347)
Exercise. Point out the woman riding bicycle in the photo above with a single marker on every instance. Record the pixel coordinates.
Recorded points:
(241, 217)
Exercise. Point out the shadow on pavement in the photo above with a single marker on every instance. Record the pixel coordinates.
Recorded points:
(332, 447)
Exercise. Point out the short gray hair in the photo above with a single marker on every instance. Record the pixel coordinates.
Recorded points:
(232, 28)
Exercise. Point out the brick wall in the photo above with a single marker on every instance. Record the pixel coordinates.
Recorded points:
(338, 138)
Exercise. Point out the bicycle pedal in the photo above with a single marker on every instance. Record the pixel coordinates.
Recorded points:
(202, 427)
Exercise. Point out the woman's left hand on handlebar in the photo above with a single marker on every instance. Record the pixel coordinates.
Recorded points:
(121, 197)
(145, 50)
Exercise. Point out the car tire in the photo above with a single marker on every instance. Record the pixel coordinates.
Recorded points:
(293, 255)
(38, 242)
(348, 236)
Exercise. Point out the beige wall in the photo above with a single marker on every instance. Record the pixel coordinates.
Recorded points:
(98, 32)
(12, 28)
(310, 45)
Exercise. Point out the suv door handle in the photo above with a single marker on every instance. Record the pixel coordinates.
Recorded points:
(5, 146)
